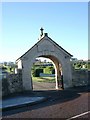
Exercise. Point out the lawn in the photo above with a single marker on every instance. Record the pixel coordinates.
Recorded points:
(44, 79)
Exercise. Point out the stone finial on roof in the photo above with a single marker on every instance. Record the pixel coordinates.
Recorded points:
(41, 32)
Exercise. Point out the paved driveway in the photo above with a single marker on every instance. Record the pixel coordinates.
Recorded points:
(62, 104)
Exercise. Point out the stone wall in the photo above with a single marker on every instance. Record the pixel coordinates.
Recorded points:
(89, 77)
(80, 77)
(12, 84)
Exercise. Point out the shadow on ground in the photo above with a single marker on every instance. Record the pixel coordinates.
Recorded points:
(53, 97)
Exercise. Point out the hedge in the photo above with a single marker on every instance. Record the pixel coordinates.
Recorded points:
(37, 72)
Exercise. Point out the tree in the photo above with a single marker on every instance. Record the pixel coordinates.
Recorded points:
(78, 65)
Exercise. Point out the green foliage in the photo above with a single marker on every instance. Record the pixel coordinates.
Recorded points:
(53, 71)
(79, 65)
(44, 79)
(46, 69)
(4, 68)
(36, 72)
(8, 68)
(88, 66)
(51, 68)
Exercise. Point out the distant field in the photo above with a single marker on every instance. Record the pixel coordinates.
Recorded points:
(44, 79)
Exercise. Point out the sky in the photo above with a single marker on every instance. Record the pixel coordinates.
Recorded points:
(65, 22)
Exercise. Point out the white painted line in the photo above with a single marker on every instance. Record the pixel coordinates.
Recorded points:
(79, 115)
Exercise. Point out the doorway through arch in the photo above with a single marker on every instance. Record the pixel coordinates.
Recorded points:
(47, 75)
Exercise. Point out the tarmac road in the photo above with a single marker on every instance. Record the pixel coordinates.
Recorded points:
(61, 104)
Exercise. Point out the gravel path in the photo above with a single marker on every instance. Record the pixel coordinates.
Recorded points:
(43, 86)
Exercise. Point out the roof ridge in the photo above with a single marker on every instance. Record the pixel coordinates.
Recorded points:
(40, 41)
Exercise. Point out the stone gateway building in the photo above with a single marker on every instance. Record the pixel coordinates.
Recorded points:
(47, 48)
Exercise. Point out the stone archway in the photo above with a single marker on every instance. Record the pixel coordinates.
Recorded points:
(47, 48)
(57, 69)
